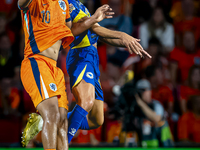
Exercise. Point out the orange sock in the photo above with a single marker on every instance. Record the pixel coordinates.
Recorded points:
(50, 149)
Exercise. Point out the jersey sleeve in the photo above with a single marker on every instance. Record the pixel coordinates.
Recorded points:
(75, 13)
(158, 108)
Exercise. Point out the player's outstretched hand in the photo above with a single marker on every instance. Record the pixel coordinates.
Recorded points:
(134, 46)
(103, 12)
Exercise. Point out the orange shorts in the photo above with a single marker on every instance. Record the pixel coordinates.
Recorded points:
(42, 79)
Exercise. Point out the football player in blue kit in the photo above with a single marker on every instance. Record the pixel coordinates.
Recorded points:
(83, 68)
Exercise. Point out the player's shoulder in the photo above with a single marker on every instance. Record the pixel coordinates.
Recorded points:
(73, 2)
(73, 5)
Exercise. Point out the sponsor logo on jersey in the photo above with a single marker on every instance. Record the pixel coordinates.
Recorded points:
(53, 87)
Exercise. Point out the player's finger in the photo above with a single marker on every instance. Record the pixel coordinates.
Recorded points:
(136, 48)
(109, 13)
(137, 39)
(105, 5)
(138, 44)
(107, 17)
(147, 54)
(129, 49)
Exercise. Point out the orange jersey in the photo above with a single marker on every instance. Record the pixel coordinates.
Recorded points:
(44, 23)
(186, 92)
(188, 127)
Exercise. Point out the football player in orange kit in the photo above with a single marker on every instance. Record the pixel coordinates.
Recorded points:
(47, 25)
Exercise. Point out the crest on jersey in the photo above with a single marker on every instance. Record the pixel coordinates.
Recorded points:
(90, 75)
(71, 8)
(53, 87)
(62, 5)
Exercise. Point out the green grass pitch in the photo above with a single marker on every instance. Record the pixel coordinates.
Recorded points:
(112, 148)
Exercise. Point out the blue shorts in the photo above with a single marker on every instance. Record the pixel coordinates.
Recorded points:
(83, 63)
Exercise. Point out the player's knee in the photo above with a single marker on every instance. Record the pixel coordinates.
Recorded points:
(99, 121)
(90, 102)
(87, 103)
(52, 118)
(63, 122)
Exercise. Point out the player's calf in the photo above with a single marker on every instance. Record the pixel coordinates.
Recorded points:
(51, 116)
(62, 130)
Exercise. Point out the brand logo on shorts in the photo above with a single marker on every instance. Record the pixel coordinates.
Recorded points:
(53, 87)
(90, 75)
(62, 5)
(72, 132)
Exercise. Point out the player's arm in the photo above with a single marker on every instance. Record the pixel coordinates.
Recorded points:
(149, 113)
(85, 23)
(24, 3)
(120, 39)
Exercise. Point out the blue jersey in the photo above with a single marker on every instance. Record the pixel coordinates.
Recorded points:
(77, 11)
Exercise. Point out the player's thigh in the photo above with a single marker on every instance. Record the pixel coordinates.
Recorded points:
(38, 78)
(84, 94)
(98, 108)
(49, 110)
(62, 96)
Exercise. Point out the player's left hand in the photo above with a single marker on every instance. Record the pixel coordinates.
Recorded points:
(134, 46)
(103, 12)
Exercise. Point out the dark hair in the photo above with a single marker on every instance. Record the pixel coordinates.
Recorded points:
(151, 24)
(193, 99)
(154, 40)
(150, 71)
(190, 75)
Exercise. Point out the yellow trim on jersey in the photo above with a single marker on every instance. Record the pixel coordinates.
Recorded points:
(99, 83)
(84, 43)
(80, 77)
(80, 15)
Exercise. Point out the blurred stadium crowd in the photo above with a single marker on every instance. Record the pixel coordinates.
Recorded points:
(169, 31)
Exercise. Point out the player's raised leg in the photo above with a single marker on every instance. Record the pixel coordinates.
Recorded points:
(96, 116)
(85, 96)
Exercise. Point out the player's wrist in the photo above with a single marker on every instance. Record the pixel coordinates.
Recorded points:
(94, 19)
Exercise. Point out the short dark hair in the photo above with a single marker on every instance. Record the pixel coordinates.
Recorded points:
(154, 40)
(190, 74)
(193, 99)
(150, 71)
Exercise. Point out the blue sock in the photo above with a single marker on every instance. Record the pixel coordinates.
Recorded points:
(84, 124)
(77, 116)
(69, 114)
